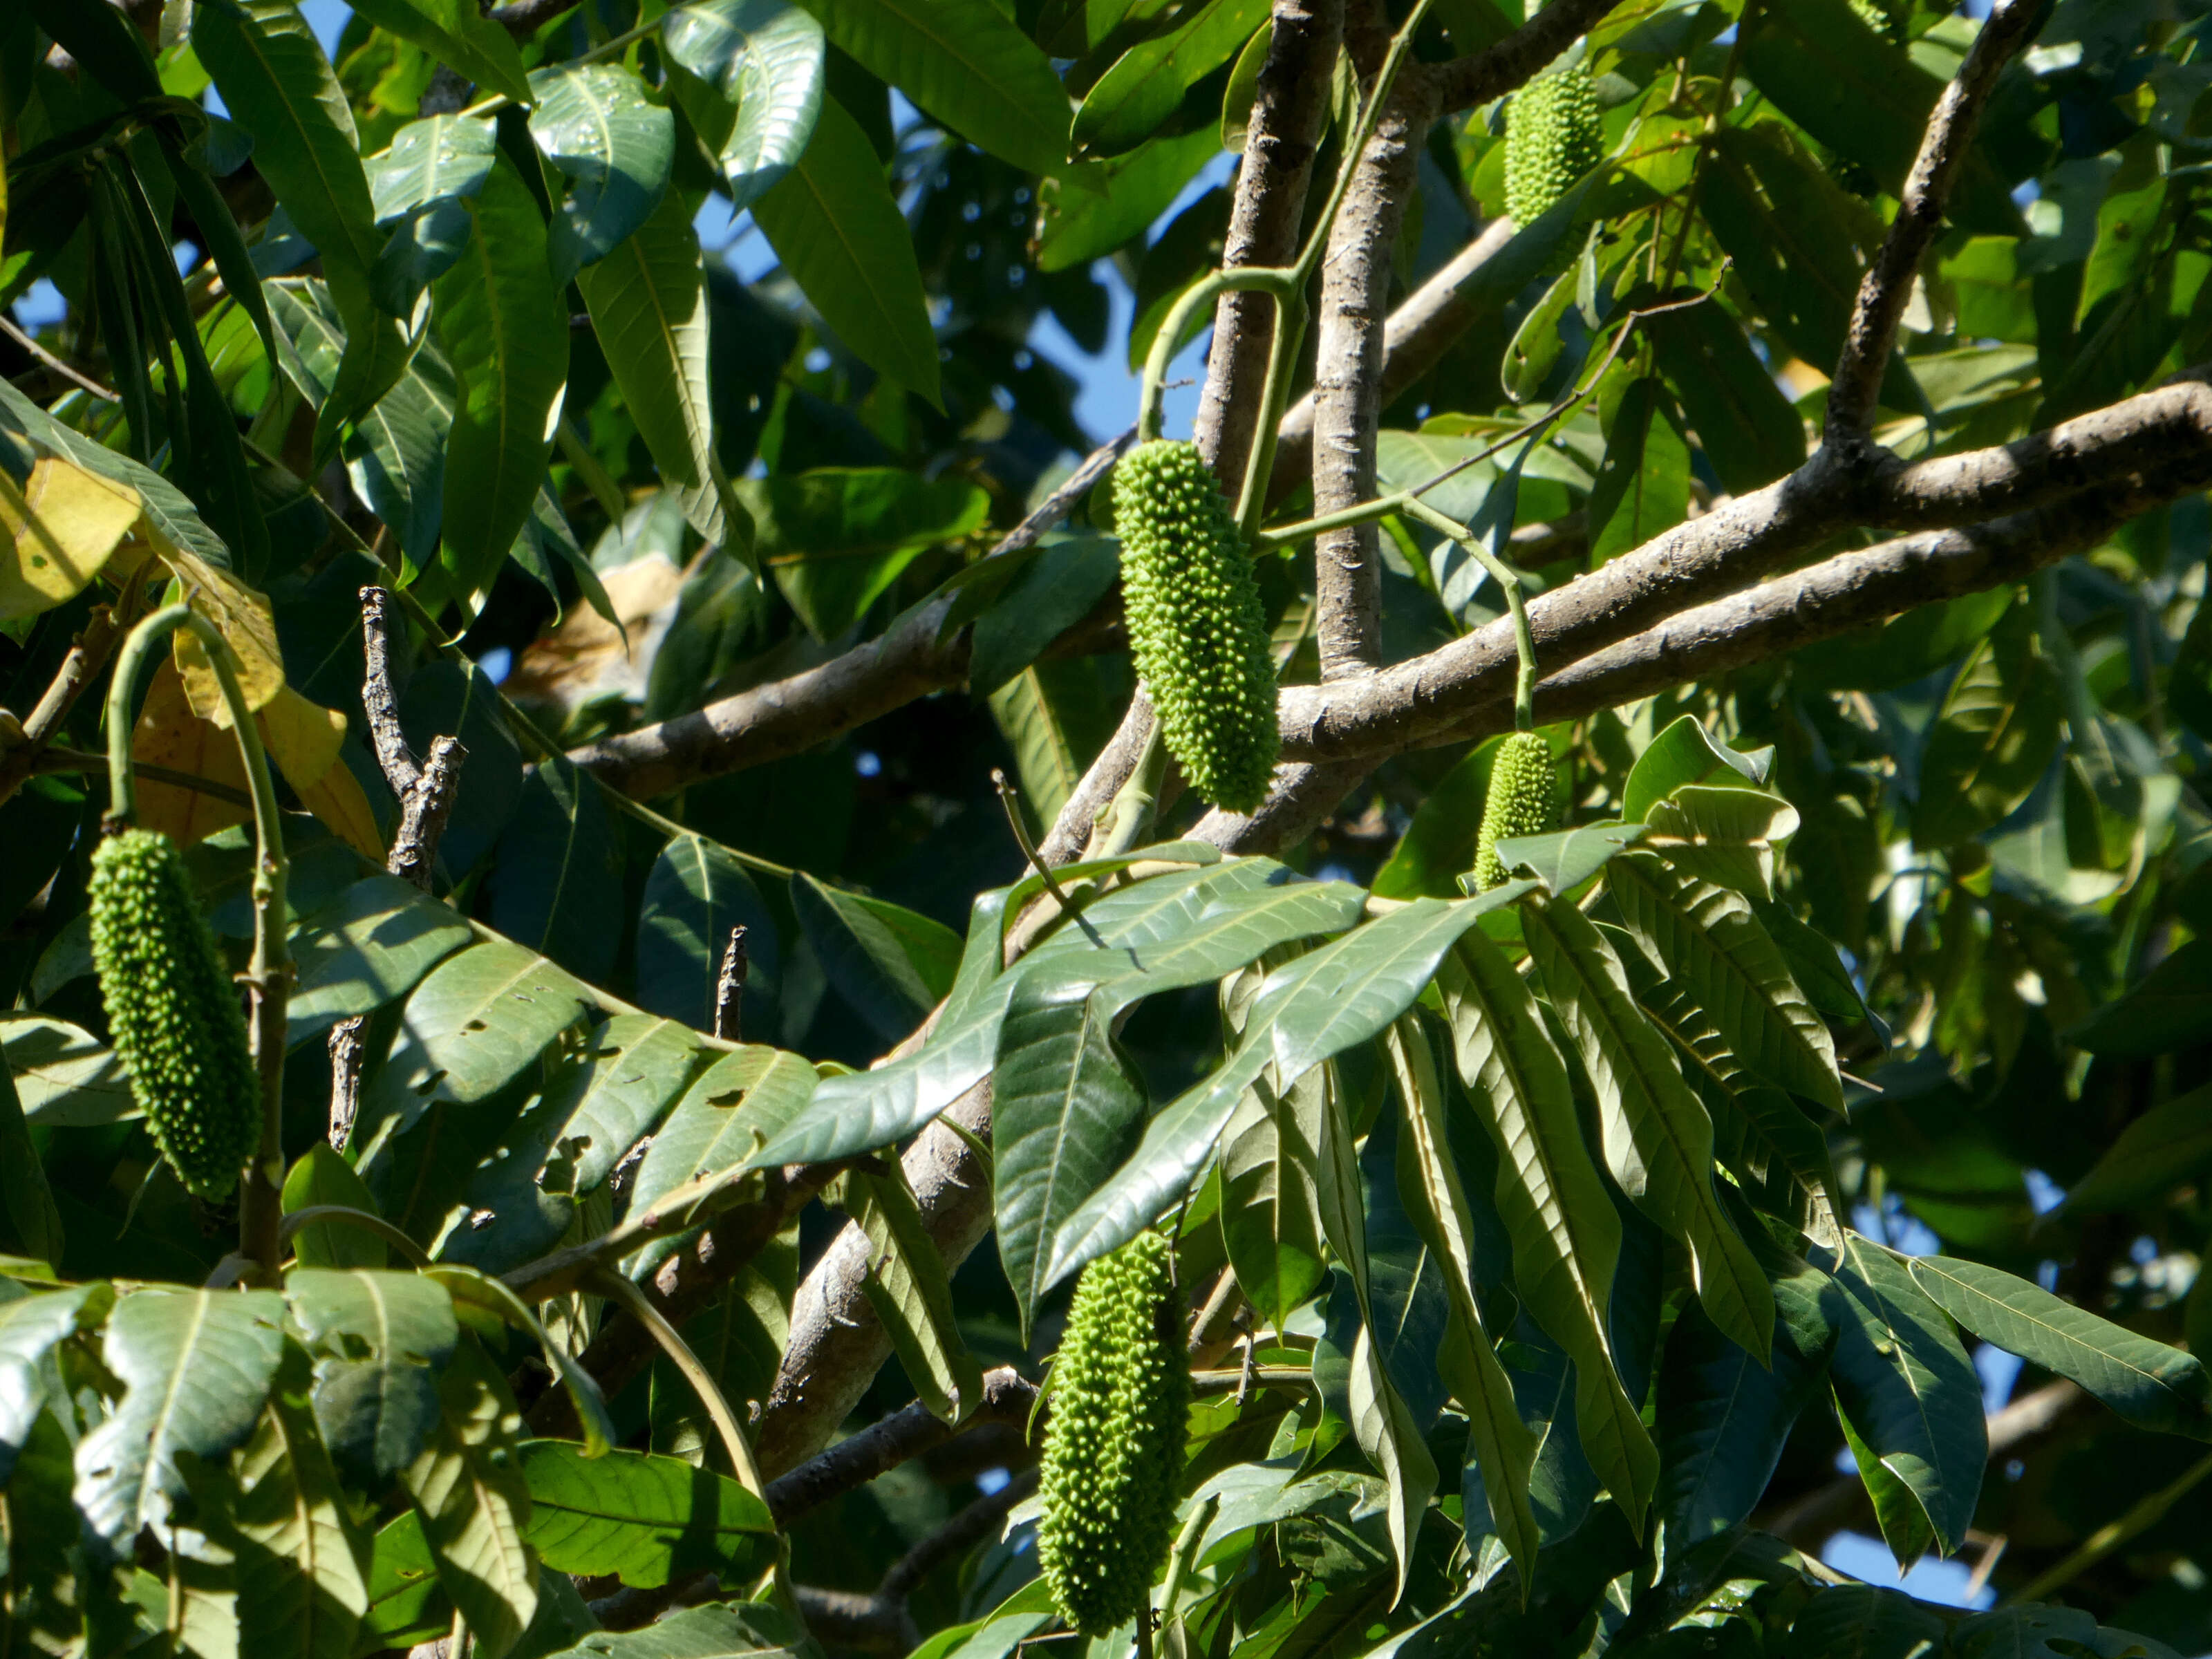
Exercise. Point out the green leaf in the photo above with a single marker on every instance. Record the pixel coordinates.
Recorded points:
(1707, 938)
(842, 238)
(2170, 1007)
(1270, 1209)
(765, 58)
(1077, 225)
(480, 1018)
(1314, 1007)
(836, 537)
(1724, 1417)
(696, 893)
(1146, 84)
(474, 1502)
(1861, 1621)
(1907, 1389)
(1564, 858)
(556, 884)
(648, 1521)
(1054, 591)
(456, 34)
(1438, 845)
(30, 1329)
(1749, 431)
(2167, 1146)
(30, 1202)
(1725, 835)
(1991, 740)
(406, 1603)
(196, 1367)
(323, 1176)
(1642, 484)
(891, 963)
(381, 1340)
(505, 332)
(911, 1293)
(489, 1309)
(739, 1100)
(1503, 1445)
(375, 944)
(302, 1562)
(2147, 1382)
(728, 1630)
(594, 124)
(1684, 754)
(275, 81)
(965, 63)
(421, 185)
(1566, 1235)
(647, 299)
(1658, 1140)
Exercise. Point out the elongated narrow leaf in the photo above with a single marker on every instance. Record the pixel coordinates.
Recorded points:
(1315, 1008)
(196, 1367)
(648, 1521)
(648, 303)
(1270, 1210)
(470, 1491)
(1146, 84)
(594, 123)
(833, 223)
(911, 1293)
(765, 60)
(376, 943)
(739, 1101)
(1658, 1140)
(1907, 1389)
(965, 63)
(1993, 736)
(556, 884)
(1501, 1442)
(2147, 1382)
(506, 334)
(2164, 1147)
(302, 1562)
(457, 33)
(1566, 1236)
(697, 891)
(1708, 941)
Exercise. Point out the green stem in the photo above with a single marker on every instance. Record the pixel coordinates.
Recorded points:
(1130, 813)
(1203, 292)
(260, 1209)
(1274, 394)
(1524, 640)
(605, 49)
(1369, 119)
(2145, 1513)
(609, 1283)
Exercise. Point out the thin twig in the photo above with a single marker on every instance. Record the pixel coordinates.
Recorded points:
(730, 988)
(76, 378)
(1009, 801)
(622, 1289)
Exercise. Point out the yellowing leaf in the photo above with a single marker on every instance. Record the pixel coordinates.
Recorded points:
(303, 739)
(169, 734)
(337, 798)
(243, 618)
(62, 523)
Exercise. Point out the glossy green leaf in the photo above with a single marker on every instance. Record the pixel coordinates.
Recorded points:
(765, 59)
(832, 221)
(1564, 858)
(1270, 1211)
(1642, 484)
(1686, 753)
(741, 1099)
(836, 537)
(1907, 1387)
(965, 63)
(321, 1175)
(375, 944)
(1862, 1621)
(647, 300)
(505, 332)
(196, 1367)
(455, 33)
(1077, 225)
(30, 1329)
(890, 962)
(2167, 1008)
(380, 1339)
(1566, 1236)
(2148, 1383)
(647, 1520)
(30, 1202)
(468, 1489)
(1658, 1140)
(1146, 84)
(302, 1562)
(595, 125)
(396, 454)
(1748, 430)
(911, 1293)
(1709, 940)
(697, 891)
(725, 1630)
(1725, 835)
(1994, 735)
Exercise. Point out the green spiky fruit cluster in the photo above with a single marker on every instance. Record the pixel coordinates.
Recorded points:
(1519, 802)
(1113, 1452)
(1552, 137)
(1196, 625)
(172, 1011)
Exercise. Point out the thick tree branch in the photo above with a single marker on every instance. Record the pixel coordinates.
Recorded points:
(1887, 284)
(1265, 220)
(1496, 70)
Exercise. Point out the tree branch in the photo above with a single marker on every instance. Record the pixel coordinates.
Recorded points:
(1887, 284)
(1498, 69)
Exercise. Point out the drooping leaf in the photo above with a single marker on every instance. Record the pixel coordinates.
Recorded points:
(907, 1286)
(556, 884)
(471, 1493)
(1992, 739)
(301, 1562)
(740, 1100)
(1146, 84)
(594, 124)
(836, 537)
(890, 962)
(765, 59)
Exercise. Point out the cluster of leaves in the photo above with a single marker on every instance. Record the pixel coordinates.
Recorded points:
(1540, 1198)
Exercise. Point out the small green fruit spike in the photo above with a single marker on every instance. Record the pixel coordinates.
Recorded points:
(1519, 803)
(1196, 625)
(1552, 137)
(172, 1011)
(1114, 1446)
